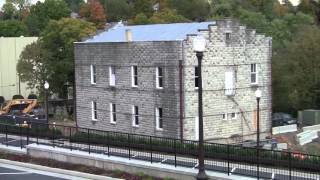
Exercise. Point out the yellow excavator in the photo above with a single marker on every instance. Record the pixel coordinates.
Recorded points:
(22, 107)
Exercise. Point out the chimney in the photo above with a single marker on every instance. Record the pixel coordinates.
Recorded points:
(128, 35)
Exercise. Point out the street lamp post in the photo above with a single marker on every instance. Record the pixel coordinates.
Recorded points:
(258, 94)
(199, 45)
(46, 88)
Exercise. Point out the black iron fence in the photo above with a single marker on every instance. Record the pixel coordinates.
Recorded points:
(233, 159)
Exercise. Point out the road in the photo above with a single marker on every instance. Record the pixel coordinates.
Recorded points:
(10, 172)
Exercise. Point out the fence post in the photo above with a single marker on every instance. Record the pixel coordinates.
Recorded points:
(20, 135)
(150, 141)
(290, 165)
(129, 146)
(258, 164)
(70, 134)
(228, 158)
(53, 137)
(6, 134)
(89, 140)
(108, 143)
(37, 133)
(27, 133)
(175, 153)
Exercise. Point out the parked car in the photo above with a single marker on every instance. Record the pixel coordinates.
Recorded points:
(282, 119)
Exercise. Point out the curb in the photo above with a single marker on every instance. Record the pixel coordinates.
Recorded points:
(56, 170)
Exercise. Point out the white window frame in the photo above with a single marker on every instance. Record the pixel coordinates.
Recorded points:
(112, 76)
(113, 114)
(93, 74)
(224, 116)
(94, 111)
(134, 77)
(135, 115)
(196, 85)
(159, 78)
(254, 71)
(158, 119)
(228, 36)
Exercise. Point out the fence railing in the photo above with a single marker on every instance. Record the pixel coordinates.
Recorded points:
(226, 158)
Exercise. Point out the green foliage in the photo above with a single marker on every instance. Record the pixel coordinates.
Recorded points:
(42, 13)
(117, 10)
(196, 10)
(253, 20)
(300, 67)
(140, 19)
(74, 5)
(9, 11)
(32, 66)
(143, 6)
(58, 39)
(167, 16)
(12, 28)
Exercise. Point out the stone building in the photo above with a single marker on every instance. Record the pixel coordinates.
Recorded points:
(142, 79)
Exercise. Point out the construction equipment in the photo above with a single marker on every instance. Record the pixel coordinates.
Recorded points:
(22, 107)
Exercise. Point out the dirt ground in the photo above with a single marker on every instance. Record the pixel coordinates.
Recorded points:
(293, 144)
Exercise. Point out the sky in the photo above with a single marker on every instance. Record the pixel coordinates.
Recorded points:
(294, 2)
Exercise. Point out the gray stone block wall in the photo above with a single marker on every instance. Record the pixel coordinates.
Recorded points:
(244, 48)
(147, 56)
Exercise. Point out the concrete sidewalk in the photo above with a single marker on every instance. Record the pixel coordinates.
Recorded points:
(22, 170)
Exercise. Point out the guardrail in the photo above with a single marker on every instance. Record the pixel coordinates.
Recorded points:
(226, 158)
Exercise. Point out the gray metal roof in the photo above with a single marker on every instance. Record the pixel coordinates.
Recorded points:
(154, 32)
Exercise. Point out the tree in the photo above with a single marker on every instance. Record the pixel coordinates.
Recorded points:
(140, 19)
(12, 28)
(196, 10)
(9, 11)
(311, 7)
(93, 12)
(299, 63)
(167, 16)
(253, 20)
(117, 10)
(74, 5)
(32, 66)
(143, 6)
(42, 13)
(58, 38)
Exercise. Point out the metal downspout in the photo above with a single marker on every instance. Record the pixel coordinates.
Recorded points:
(181, 91)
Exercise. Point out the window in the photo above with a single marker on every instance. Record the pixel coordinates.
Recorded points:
(113, 115)
(228, 37)
(159, 119)
(196, 77)
(134, 76)
(233, 116)
(94, 110)
(159, 78)
(135, 116)
(254, 74)
(229, 83)
(112, 76)
(93, 74)
(224, 117)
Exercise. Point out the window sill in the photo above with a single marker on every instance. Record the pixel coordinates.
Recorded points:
(159, 88)
(134, 86)
(159, 129)
(93, 84)
(136, 126)
(254, 84)
(94, 120)
(114, 123)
